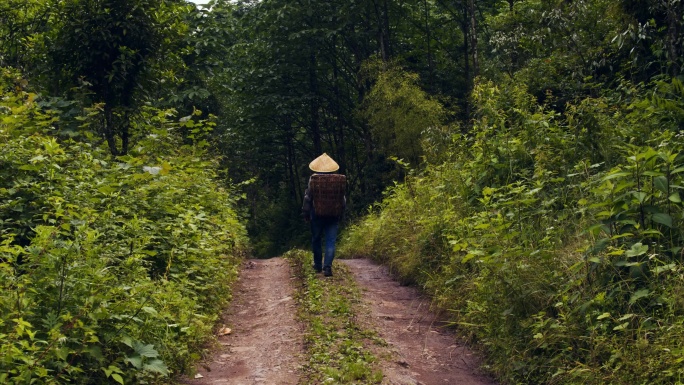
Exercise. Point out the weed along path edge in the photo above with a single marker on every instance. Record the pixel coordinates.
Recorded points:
(262, 343)
(422, 351)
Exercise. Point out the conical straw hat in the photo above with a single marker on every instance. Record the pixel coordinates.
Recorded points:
(324, 163)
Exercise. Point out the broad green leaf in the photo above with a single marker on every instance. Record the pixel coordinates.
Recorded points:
(648, 154)
(136, 361)
(467, 257)
(63, 352)
(624, 235)
(674, 197)
(117, 377)
(149, 310)
(636, 250)
(458, 246)
(598, 205)
(127, 340)
(622, 326)
(638, 295)
(600, 245)
(640, 196)
(145, 350)
(604, 214)
(602, 316)
(661, 184)
(623, 185)
(106, 189)
(488, 191)
(651, 232)
(157, 366)
(662, 218)
(661, 269)
(619, 174)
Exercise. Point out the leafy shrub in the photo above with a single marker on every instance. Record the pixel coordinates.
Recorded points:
(554, 239)
(111, 270)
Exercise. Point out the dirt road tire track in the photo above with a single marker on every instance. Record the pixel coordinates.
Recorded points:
(265, 346)
(422, 350)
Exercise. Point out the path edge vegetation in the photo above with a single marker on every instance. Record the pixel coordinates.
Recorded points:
(554, 239)
(339, 349)
(112, 269)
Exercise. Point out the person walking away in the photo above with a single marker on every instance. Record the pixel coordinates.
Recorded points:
(324, 204)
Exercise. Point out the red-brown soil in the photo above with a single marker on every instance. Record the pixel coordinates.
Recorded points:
(423, 350)
(265, 345)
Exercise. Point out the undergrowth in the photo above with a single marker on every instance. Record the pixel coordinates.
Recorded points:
(112, 270)
(553, 238)
(337, 345)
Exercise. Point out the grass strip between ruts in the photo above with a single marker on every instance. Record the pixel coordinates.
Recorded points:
(337, 346)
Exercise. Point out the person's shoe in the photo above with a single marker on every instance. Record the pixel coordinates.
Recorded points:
(327, 271)
(317, 269)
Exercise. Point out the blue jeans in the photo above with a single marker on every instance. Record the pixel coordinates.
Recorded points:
(320, 228)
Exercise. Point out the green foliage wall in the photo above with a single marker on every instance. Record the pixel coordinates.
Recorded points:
(554, 240)
(112, 269)
(399, 112)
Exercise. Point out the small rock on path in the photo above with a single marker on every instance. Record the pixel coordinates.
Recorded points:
(423, 351)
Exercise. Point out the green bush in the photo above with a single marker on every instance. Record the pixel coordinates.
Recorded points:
(554, 239)
(111, 270)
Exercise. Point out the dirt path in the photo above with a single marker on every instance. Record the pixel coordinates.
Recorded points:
(422, 351)
(264, 346)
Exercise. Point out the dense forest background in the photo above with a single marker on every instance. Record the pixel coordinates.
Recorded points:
(521, 160)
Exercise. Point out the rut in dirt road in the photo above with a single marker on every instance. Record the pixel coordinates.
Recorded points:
(422, 350)
(264, 346)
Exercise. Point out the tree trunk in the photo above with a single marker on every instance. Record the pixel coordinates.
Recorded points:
(428, 38)
(382, 19)
(293, 175)
(108, 130)
(674, 40)
(337, 108)
(473, 37)
(386, 25)
(466, 67)
(125, 133)
(314, 107)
